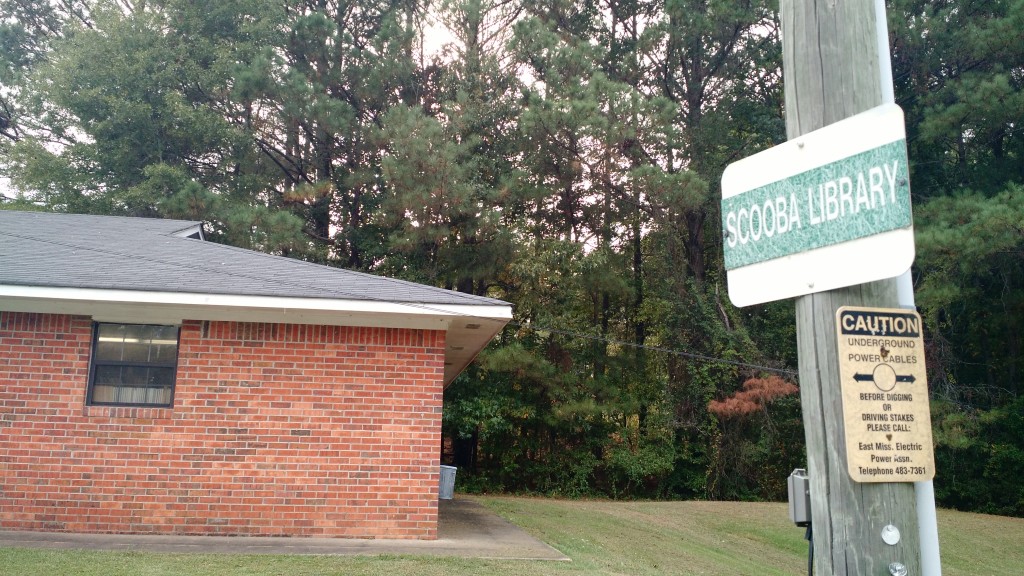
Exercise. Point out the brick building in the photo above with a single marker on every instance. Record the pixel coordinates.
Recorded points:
(154, 382)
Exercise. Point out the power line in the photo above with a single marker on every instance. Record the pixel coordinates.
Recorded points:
(662, 349)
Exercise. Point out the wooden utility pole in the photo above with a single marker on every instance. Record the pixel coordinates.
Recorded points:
(831, 72)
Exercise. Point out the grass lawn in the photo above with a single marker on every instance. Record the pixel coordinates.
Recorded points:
(603, 538)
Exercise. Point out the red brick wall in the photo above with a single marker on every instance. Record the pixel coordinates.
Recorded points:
(276, 429)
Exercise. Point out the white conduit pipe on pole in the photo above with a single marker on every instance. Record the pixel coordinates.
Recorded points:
(924, 492)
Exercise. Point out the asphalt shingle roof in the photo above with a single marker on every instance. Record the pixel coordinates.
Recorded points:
(120, 253)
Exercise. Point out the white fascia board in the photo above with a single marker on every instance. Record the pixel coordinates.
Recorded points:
(168, 306)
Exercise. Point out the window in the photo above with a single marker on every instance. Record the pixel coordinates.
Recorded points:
(133, 365)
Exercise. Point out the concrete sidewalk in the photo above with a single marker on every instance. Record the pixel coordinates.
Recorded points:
(465, 529)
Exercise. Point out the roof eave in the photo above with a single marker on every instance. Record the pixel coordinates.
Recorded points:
(469, 327)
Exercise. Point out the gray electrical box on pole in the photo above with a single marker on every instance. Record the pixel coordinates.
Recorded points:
(799, 497)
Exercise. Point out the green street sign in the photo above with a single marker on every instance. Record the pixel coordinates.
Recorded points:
(854, 197)
(826, 210)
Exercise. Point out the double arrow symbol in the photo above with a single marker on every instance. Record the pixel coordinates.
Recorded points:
(871, 378)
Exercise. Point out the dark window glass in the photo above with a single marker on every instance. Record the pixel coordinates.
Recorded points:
(133, 365)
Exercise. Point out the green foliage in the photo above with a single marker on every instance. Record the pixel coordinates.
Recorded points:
(972, 292)
(980, 457)
(958, 78)
(642, 454)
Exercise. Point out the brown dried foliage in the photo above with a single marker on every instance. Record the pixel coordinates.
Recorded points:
(755, 395)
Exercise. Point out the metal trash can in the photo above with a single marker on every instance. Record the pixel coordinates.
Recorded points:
(446, 489)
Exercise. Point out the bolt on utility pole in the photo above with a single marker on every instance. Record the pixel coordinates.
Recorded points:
(831, 71)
